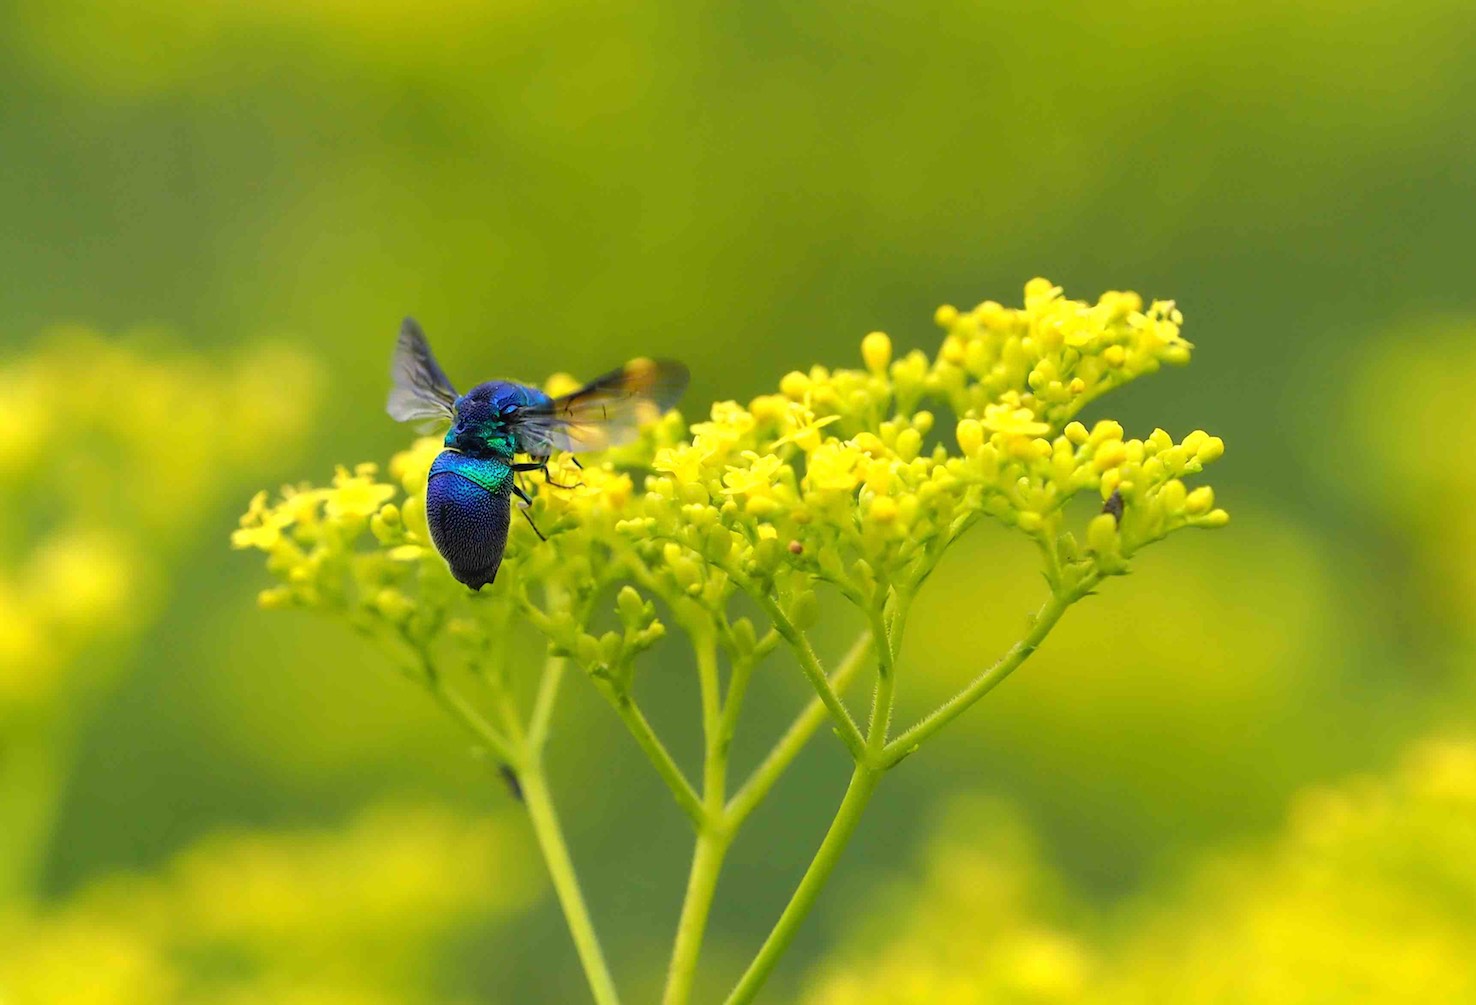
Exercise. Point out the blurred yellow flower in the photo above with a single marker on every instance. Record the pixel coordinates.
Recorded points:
(154, 438)
(353, 915)
(1365, 898)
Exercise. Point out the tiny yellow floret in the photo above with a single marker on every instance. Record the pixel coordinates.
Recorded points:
(876, 351)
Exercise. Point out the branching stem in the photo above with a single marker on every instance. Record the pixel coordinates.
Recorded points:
(525, 757)
(850, 733)
(1045, 619)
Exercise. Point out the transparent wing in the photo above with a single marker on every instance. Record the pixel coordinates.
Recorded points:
(420, 390)
(606, 412)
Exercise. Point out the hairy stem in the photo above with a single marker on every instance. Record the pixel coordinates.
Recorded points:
(645, 736)
(850, 733)
(887, 641)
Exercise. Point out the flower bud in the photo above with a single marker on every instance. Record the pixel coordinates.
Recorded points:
(876, 350)
(970, 435)
(1201, 500)
(587, 649)
(883, 510)
(909, 442)
(1110, 455)
(632, 609)
(1210, 450)
(794, 385)
(745, 639)
(805, 610)
(1172, 496)
(1102, 534)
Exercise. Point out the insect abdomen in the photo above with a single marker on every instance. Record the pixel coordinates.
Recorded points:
(467, 507)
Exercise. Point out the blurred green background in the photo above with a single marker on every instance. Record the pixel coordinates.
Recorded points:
(244, 199)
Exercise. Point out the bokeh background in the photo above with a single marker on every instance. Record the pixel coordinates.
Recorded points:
(1245, 773)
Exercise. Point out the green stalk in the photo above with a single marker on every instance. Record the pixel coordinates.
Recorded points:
(645, 736)
(526, 760)
(863, 784)
(707, 864)
(850, 733)
(713, 835)
(550, 837)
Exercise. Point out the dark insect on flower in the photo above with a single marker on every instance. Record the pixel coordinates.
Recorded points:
(1113, 505)
(468, 495)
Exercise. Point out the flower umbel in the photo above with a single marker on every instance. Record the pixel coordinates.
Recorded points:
(843, 480)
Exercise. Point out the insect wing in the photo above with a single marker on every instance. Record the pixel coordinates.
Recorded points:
(420, 390)
(606, 412)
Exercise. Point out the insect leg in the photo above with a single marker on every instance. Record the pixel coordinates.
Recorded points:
(518, 491)
(543, 466)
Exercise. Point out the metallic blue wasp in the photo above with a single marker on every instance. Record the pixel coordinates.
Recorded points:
(468, 496)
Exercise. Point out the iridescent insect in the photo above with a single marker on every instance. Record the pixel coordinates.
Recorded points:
(468, 496)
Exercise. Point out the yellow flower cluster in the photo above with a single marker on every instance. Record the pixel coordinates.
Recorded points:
(844, 476)
(111, 451)
(1366, 898)
(342, 917)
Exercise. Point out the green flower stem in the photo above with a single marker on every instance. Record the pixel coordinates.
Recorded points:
(1045, 620)
(850, 733)
(623, 702)
(702, 880)
(548, 692)
(566, 884)
(713, 835)
(863, 783)
(526, 759)
(465, 713)
(886, 632)
(794, 739)
(888, 638)
(738, 679)
(715, 755)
